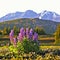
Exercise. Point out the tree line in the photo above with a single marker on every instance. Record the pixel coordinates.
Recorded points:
(7, 30)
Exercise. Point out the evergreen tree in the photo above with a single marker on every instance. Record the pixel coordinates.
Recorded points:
(4, 31)
(8, 30)
(16, 30)
(57, 34)
(39, 30)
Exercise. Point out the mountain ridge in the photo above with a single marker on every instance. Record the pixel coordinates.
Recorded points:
(44, 15)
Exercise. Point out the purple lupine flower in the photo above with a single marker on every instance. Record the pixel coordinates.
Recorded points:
(14, 41)
(27, 32)
(22, 31)
(35, 36)
(31, 33)
(31, 30)
(11, 40)
(12, 32)
(20, 37)
(17, 37)
(11, 35)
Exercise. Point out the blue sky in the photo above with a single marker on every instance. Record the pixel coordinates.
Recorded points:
(9, 6)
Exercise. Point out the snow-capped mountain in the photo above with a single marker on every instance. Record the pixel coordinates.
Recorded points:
(17, 15)
(44, 15)
(11, 16)
(48, 15)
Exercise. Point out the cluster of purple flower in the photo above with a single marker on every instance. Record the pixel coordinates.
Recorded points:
(12, 39)
(21, 34)
(28, 33)
(11, 35)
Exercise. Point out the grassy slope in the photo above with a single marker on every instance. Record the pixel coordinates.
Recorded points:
(49, 26)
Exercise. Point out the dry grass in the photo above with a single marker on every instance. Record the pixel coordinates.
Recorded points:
(50, 47)
(51, 38)
(46, 37)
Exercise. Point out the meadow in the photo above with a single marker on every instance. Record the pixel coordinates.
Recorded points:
(47, 50)
(37, 43)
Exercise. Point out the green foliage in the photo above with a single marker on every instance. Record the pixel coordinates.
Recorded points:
(30, 46)
(20, 47)
(25, 46)
(6, 31)
(16, 30)
(39, 30)
(13, 49)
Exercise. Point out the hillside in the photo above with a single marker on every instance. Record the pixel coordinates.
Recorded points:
(49, 26)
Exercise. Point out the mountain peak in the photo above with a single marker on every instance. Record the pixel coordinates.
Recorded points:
(29, 14)
(48, 15)
(44, 15)
(29, 11)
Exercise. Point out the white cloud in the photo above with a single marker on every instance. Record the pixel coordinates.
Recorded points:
(7, 6)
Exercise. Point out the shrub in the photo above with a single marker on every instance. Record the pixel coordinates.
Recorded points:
(27, 41)
(30, 46)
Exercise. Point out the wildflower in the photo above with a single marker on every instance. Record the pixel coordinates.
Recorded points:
(31, 30)
(12, 32)
(20, 37)
(11, 35)
(31, 33)
(22, 31)
(27, 32)
(35, 36)
(15, 41)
